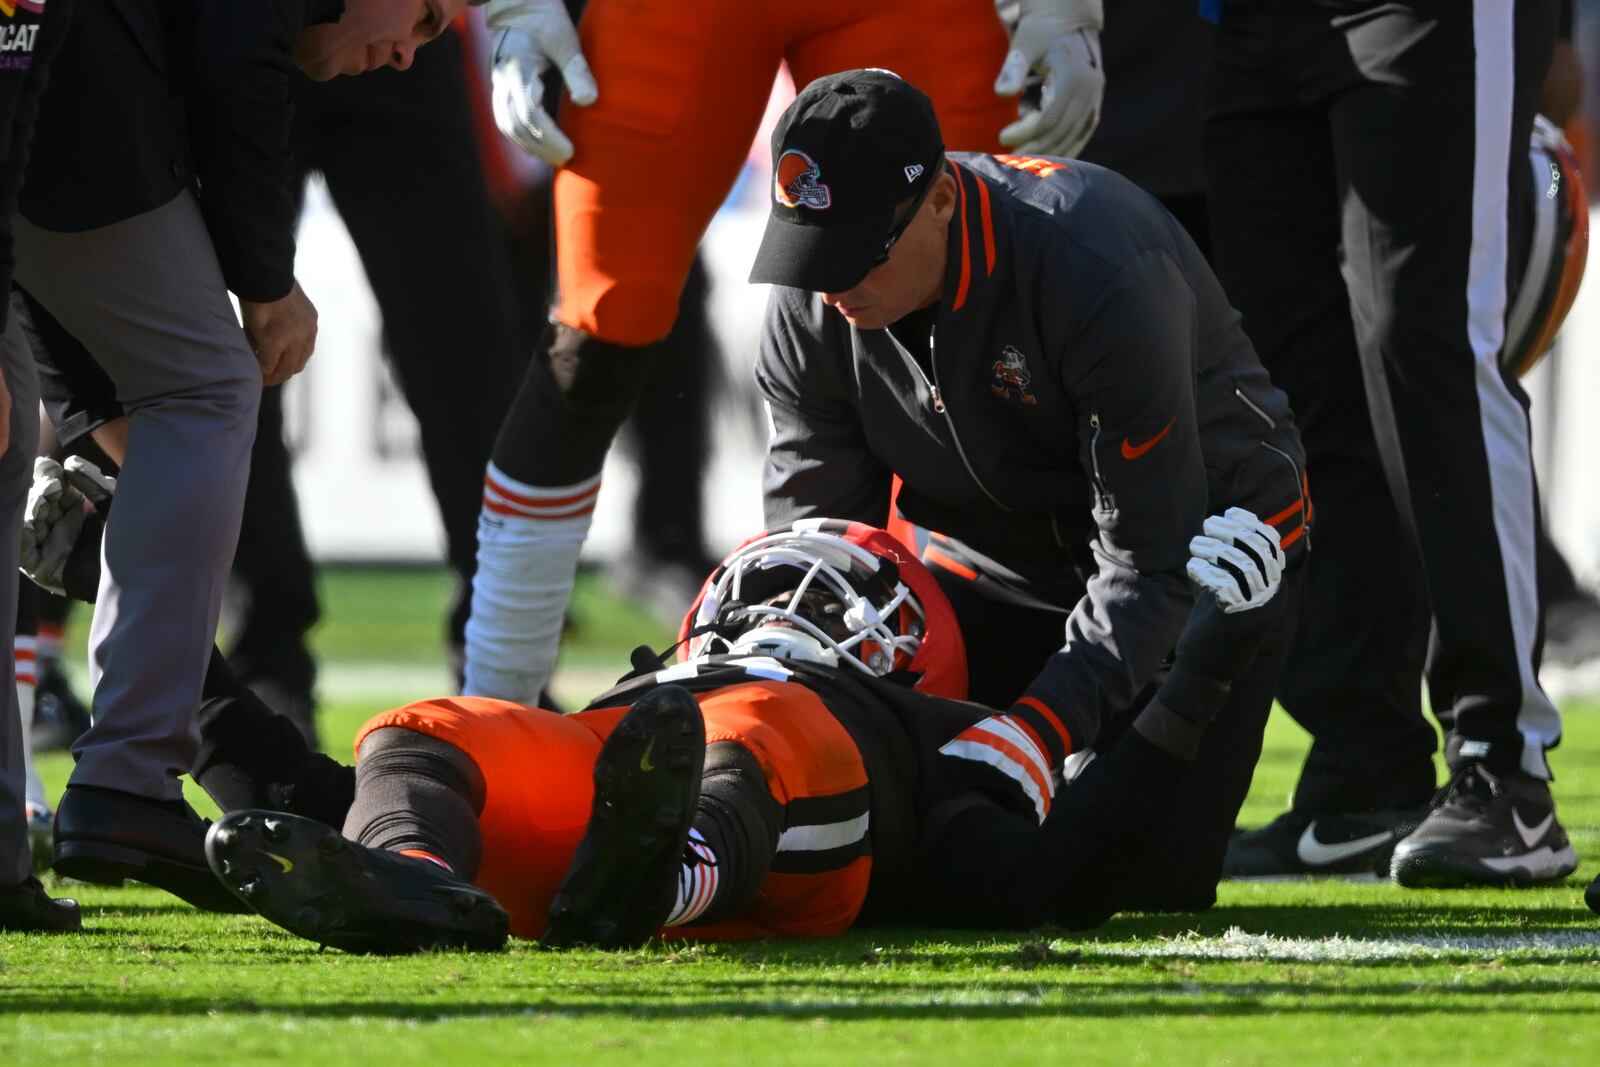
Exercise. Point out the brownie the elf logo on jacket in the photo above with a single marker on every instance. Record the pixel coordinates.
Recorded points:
(1011, 373)
(798, 182)
(18, 30)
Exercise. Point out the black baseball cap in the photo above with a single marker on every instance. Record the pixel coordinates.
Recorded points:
(851, 148)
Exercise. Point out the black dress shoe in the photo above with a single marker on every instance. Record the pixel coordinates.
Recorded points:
(27, 908)
(105, 836)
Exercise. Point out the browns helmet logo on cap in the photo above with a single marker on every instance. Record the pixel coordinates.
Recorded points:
(796, 182)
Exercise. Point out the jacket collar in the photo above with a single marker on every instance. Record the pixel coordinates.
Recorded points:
(970, 264)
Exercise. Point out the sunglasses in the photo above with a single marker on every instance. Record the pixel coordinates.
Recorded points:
(905, 220)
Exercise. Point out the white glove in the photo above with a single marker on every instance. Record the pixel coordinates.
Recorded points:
(531, 37)
(60, 503)
(1250, 548)
(1059, 39)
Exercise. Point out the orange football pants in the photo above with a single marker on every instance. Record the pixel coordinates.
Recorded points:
(538, 770)
(682, 89)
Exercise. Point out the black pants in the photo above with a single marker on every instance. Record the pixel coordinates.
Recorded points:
(398, 152)
(1360, 159)
(1006, 646)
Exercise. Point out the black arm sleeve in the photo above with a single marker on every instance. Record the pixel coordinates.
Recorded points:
(1139, 439)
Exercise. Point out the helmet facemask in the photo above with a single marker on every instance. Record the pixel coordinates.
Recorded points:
(813, 596)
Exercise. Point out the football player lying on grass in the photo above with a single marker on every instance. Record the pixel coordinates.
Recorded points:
(805, 767)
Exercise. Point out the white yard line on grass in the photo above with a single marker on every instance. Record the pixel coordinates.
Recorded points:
(1237, 944)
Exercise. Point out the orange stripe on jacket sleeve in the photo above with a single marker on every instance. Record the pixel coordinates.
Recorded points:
(966, 256)
(1286, 512)
(1299, 532)
(988, 225)
(1044, 709)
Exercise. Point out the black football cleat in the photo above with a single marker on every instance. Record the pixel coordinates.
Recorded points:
(1486, 829)
(623, 880)
(305, 877)
(1591, 895)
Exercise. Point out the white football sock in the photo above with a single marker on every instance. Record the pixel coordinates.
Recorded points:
(529, 539)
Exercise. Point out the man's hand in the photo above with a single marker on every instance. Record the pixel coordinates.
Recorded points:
(62, 526)
(1059, 39)
(530, 38)
(282, 334)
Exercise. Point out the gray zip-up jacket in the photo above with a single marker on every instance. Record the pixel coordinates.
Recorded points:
(1087, 399)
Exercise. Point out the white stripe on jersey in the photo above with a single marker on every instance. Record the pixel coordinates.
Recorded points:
(819, 837)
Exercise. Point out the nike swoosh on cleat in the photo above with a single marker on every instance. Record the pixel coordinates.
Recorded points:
(287, 865)
(1314, 853)
(644, 761)
(1531, 834)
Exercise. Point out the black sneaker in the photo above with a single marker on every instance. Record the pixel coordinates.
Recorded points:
(1486, 830)
(623, 879)
(27, 908)
(1302, 844)
(307, 878)
(58, 715)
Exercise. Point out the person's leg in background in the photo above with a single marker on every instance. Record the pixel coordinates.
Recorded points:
(1427, 266)
(442, 282)
(39, 33)
(1353, 675)
(669, 435)
(23, 903)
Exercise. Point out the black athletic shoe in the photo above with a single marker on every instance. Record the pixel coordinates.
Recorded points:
(305, 877)
(58, 715)
(1591, 896)
(27, 908)
(106, 836)
(624, 876)
(1301, 844)
(1486, 830)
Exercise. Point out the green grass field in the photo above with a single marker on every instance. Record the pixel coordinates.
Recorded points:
(1306, 972)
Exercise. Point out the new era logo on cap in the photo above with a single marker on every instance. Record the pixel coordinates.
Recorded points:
(913, 171)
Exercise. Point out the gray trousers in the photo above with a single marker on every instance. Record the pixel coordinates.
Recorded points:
(16, 474)
(145, 296)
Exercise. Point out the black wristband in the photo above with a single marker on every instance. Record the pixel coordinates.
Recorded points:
(1193, 697)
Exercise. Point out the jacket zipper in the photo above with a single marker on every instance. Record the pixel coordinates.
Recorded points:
(1094, 461)
(939, 407)
(1253, 406)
